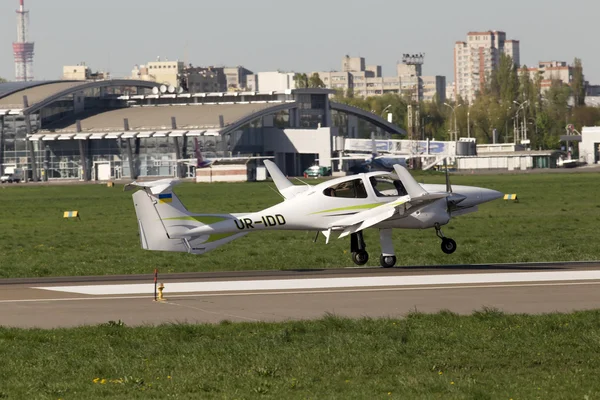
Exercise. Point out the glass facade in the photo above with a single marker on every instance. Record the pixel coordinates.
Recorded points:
(62, 157)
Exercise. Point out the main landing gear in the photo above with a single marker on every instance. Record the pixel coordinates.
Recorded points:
(357, 247)
(387, 259)
(448, 245)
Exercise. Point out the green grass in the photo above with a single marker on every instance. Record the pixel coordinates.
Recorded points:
(556, 220)
(487, 355)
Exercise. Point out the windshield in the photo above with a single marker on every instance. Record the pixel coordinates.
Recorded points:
(385, 186)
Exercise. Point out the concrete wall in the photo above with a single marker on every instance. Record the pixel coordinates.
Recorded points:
(275, 81)
(304, 141)
(510, 163)
(222, 173)
(587, 148)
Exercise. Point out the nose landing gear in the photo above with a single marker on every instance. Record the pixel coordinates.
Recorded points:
(448, 245)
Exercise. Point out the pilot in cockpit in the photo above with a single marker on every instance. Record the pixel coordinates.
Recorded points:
(400, 187)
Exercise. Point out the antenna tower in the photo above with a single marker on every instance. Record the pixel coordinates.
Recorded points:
(23, 48)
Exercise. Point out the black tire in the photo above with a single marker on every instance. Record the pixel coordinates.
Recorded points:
(387, 261)
(360, 257)
(448, 246)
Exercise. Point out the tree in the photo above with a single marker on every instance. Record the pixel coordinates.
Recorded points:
(504, 80)
(301, 81)
(315, 81)
(578, 83)
(2, 80)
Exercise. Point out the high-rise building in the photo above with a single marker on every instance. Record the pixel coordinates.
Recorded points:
(475, 59)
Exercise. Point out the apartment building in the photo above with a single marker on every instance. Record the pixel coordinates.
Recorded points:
(475, 59)
(550, 71)
(368, 80)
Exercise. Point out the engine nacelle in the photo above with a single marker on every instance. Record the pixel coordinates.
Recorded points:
(431, 215)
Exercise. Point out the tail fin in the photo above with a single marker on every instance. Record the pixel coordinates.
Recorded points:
(285, 187)
(200, 162)
(161, 216)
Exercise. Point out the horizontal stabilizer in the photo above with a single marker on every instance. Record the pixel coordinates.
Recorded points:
(155, 187)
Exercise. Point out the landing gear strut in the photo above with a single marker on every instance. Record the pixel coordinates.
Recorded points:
(357, 247)
(387, 259)
(448, 245)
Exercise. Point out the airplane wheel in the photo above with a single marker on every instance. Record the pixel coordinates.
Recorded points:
(448, 246)
(387, 261)
(360, 257)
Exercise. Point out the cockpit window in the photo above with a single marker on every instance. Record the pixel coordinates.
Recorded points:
(384, 187)
(354, 189)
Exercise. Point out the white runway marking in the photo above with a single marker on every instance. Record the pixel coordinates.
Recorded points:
(330, 283)
(398, 289)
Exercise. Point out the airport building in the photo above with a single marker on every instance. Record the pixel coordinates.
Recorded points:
(129, 128)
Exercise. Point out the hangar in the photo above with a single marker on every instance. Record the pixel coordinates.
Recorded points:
(124, 128)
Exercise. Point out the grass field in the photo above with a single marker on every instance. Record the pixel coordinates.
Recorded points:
(484, 356)
(556, 220)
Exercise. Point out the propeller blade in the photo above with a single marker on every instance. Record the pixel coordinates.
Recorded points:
(448, 186)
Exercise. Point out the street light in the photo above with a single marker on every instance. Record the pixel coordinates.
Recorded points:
(454, 112)
(469, 124)
(521, 105)
(385, 109)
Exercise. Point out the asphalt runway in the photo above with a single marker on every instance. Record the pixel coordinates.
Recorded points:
(308, 294)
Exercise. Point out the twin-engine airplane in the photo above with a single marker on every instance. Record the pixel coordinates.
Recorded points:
(347, 205)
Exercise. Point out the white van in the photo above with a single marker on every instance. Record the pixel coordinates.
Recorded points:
(12, 174)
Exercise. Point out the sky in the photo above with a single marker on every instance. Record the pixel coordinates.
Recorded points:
(300, 36)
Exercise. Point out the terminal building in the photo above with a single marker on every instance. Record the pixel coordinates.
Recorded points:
(129, 128)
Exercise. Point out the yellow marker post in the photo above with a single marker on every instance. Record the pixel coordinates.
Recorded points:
(160, 292)
(71, 214)
(511, 197)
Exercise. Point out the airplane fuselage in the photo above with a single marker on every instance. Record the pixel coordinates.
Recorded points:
(314, 210)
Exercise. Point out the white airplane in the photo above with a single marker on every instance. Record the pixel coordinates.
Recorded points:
(345, 205)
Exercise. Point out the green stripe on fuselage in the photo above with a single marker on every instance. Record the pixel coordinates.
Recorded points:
(206, 220)
(352, 208)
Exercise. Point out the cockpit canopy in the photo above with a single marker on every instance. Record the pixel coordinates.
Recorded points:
(383, 185)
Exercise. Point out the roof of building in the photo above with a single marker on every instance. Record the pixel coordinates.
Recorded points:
(35, 92)
(10, 87)
(159, 117)
(42, 93)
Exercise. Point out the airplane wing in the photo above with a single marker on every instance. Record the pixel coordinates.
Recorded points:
(416, 199)
(403, 206)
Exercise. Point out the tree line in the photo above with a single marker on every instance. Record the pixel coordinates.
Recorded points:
(509, 98)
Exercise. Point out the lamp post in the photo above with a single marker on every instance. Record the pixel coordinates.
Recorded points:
(383, 112)
(469, 124)
(385, 109)
(454, 113)
(521, 105)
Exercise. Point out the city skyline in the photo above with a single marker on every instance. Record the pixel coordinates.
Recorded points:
(119, 35)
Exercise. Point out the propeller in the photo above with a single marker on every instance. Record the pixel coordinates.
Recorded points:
(452, 200)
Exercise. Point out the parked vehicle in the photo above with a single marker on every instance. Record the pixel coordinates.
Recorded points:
(316, 171)
(12, 174)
